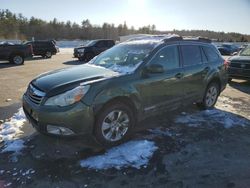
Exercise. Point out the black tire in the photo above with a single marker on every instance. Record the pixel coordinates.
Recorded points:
(80, 58)
(88, 57)
(101, 135)
(204, 105)
(17, 59)
(48, 54)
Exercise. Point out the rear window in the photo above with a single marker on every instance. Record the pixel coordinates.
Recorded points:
(191, 55)
(44, 44)
(210, 53)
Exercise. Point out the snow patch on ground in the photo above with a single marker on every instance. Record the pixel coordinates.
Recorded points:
(10, 130)
(212, 117)
(14, 146)
(161, 132)
(131, 154)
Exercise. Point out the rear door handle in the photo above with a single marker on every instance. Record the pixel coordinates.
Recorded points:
(179, 75)
(205, 71)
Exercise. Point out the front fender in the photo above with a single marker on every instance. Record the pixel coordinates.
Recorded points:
(126, 92)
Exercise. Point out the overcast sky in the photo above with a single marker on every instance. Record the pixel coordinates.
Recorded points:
(217, 15)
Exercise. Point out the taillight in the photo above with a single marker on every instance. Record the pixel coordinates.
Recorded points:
(226, 64)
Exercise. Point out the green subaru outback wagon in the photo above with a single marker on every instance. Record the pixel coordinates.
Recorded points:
(122, 86)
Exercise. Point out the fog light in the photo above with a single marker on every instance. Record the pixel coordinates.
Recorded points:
(53, 129)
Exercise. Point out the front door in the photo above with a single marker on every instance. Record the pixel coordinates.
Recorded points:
(163, 90)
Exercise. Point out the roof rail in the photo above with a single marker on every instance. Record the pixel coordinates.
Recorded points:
(171, 38)
(199, 39)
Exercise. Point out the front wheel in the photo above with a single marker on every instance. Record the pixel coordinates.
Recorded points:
(48, 54)
(88, 57)
(210, 96)
(114, 124)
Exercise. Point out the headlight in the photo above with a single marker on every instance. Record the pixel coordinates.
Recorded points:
(69, 97)
(80, 50)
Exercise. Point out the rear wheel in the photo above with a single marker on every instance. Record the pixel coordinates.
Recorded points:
(210, 96)
(17, 59)
(114, 124)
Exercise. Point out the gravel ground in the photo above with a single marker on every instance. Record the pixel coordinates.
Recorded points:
(194, 149)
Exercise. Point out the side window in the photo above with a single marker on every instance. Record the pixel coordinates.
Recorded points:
(210, 53)
(168, 57)
(110, 43)
(100, 44)
(191, 55)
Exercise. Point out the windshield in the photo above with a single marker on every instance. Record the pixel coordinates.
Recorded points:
(123, 58)
(90, 43)
(245, 51)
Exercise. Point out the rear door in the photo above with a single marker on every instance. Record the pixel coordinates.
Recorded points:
(195, 71)
(163, 90)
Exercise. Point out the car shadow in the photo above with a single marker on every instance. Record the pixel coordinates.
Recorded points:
(6, 64)
(74, 62)
(35, 58)
(242, 86)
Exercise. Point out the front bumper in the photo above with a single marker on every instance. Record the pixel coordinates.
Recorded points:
(78, 117)
(239, 73)
(78, 54)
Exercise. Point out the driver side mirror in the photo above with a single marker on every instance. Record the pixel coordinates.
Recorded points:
(155, 68)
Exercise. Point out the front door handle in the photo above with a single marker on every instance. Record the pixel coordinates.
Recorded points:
(179, 75)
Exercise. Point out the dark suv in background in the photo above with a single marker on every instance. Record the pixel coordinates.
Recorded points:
(228, 49)
(125, 84)
(15, 53)
(239, 65)
(44, 48)
(92, 49)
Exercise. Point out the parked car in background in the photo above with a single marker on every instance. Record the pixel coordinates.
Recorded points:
(228, 49)
(92, 49)
(239, 65)
(125, 84)
(15, 53)
(44, 48)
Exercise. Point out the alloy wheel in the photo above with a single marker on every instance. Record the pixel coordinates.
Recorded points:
(211, 96)
(115, 125)
(18, 60)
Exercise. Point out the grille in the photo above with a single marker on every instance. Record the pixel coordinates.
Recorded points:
(35, 95)
(240, 65)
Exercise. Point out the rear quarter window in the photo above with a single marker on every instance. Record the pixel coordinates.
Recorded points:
(191, 55)
(210, 53)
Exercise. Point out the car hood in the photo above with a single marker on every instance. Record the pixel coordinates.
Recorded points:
(240, 58)
(68, 76)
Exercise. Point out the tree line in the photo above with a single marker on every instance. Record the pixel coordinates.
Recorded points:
(17, 26)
